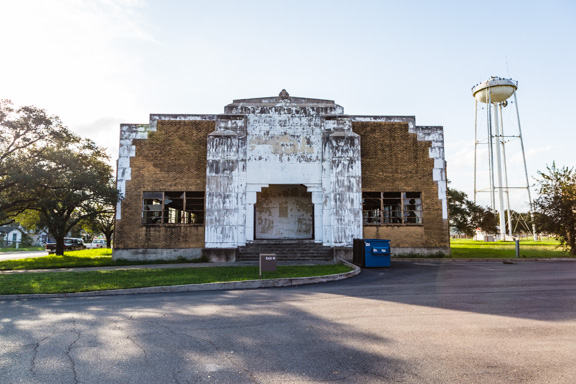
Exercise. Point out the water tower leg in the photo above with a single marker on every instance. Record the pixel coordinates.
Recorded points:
(475, 144)
(491, 153)
(499, 170)
(506, 190)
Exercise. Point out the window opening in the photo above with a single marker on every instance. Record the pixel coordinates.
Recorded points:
(172, 208)
(382, 208)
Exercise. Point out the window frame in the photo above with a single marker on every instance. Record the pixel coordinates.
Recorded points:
(392, 208)
(167, 210)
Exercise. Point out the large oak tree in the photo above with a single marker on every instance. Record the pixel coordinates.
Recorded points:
(74, 183)
(47, 169)
(25, 133)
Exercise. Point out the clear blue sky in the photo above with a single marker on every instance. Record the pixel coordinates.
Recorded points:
(97, 64)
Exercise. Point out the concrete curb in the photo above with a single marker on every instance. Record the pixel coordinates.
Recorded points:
(232, 285)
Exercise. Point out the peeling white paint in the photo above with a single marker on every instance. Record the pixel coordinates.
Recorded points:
(436, 136)
(259, 143)
(126, 150)
(128, 133)
(224, 226)
(287, 142)
(411, 120)
(424, 133)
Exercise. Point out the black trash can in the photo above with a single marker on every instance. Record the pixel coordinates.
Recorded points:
(371, 253)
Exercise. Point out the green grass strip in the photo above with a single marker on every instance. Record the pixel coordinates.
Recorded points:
(77, 259)
(463, 248)
(65, 282)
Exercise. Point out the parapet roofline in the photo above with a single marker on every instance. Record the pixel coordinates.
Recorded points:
(275, 100)
(282, 98)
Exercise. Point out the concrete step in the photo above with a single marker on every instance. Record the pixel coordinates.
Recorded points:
(285, 250)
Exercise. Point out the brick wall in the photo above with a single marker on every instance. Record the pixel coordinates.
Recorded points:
(172, 159)
(393, 160)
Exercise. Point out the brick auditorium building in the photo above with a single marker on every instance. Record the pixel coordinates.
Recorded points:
(290, 174)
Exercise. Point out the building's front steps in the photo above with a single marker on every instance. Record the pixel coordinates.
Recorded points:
(286, 250)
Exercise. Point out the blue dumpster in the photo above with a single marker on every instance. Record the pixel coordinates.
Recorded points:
(371, 252)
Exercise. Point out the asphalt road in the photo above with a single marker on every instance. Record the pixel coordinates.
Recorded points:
(421, 322)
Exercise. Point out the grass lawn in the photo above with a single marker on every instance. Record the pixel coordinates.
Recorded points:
(64, 282)
(101, 257)
(464, 248)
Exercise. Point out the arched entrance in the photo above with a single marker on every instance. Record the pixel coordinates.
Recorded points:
(284, 212)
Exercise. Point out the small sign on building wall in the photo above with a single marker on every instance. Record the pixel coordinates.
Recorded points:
(267, 262)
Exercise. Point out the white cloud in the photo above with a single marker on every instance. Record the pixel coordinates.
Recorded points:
(72, 53)
(100, 131)
(78, 60)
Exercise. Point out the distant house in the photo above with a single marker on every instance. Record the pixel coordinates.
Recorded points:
(11, 235)
(39, 237)
(275, 171)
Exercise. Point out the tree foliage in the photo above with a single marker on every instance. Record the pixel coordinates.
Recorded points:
(466, 216)
(556, 204)
(47, 169)
(25, 134)
(73, 183)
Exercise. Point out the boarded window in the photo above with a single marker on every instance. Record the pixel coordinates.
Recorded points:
(181, 207)
(389, 208)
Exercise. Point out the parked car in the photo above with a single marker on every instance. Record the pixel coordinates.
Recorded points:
(96, 243)
(70, 244)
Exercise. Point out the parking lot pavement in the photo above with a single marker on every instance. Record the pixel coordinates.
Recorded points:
(416, 322)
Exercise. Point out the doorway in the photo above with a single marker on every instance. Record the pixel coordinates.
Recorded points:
(284, 211)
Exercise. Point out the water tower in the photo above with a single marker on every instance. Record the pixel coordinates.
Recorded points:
(494, 94)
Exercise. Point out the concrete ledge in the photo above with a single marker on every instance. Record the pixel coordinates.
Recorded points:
(147, 254)
(220, 255)
(343, 253)
(232, 285)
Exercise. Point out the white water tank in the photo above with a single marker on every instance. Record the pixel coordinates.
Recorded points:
(495, 89)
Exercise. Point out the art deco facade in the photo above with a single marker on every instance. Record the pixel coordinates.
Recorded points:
(279, 169)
